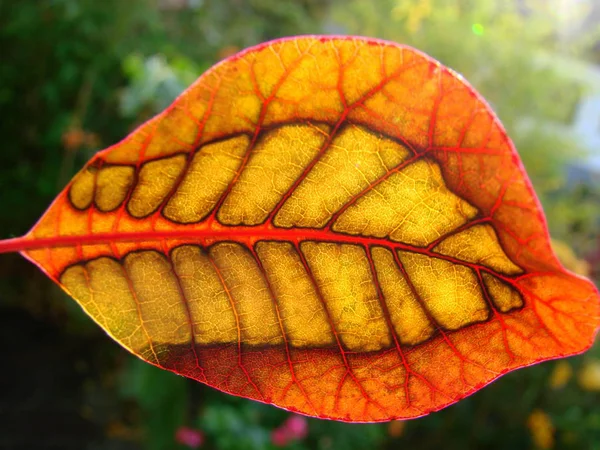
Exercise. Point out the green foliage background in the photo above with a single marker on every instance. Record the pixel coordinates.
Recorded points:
(78, 75)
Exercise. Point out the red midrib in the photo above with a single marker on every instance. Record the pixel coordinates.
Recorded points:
(247, 235)
(241, 233)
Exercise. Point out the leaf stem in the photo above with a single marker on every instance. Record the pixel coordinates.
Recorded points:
(17, 244)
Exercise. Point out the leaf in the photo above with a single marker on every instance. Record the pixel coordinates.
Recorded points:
(337, 226)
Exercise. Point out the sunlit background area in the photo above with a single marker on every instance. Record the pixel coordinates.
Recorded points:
(77, 75)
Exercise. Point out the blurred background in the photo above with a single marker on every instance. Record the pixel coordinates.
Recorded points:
(78, 75)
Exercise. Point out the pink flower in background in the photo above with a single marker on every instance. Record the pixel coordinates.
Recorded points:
(189, 437)
(294, 428)
(279, 437)
(297, 427)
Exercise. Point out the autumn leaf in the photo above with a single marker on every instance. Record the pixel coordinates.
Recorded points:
(336, 226)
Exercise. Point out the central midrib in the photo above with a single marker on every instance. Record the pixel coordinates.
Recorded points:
(242, 234)
(247, 235)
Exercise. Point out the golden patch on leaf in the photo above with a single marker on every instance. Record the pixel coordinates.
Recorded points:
(311, 225)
